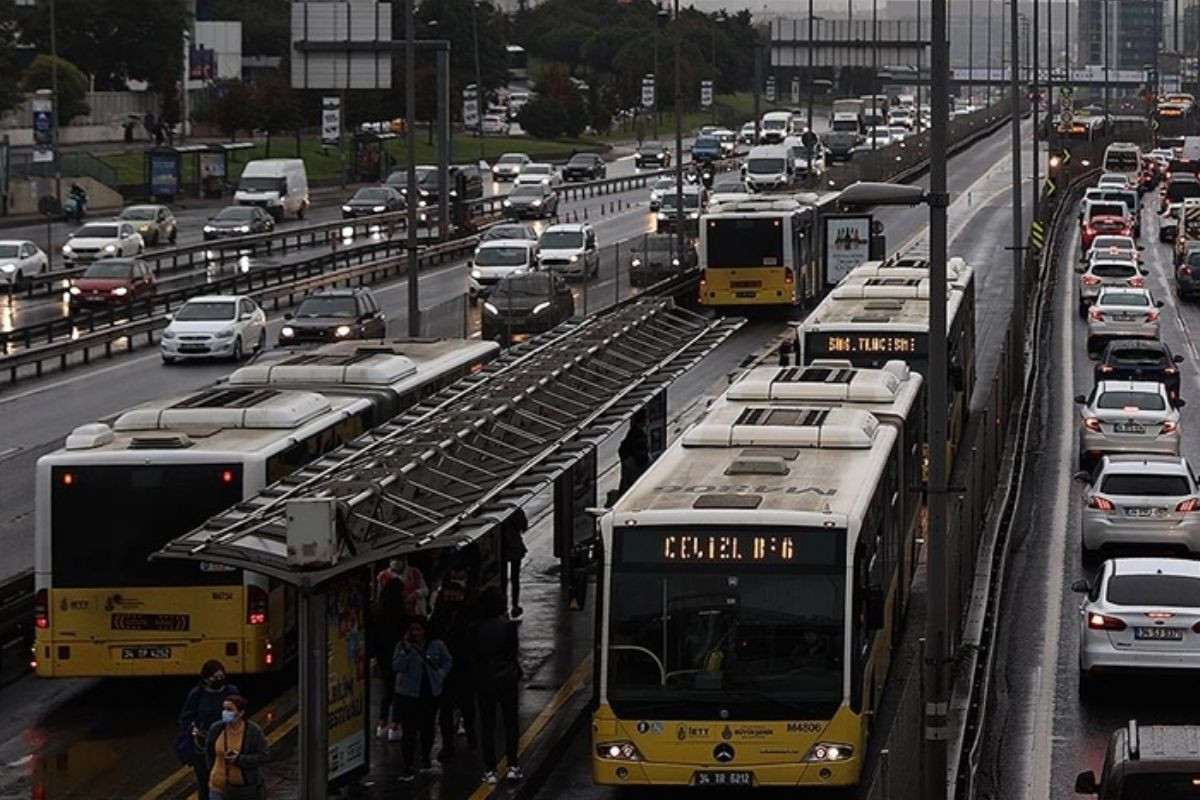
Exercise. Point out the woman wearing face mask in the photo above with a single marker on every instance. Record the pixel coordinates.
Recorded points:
(236, 752)
(421, 666)
(200, 710)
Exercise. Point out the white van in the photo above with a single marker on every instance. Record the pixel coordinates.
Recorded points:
(776, 126)
(769, 168)
(280, 185)
(1125, 158)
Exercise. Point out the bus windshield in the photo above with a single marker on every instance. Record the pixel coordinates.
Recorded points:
(1121, 161)
(761, 640)
(99, 543)
(746, 242)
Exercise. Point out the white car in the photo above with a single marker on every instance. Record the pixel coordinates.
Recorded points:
(494, 125)
(746, 134)
(1142, 501)
(569, 250)
(1117, 180)
(1127, 417)
(98, 240)
(899, 132)
(728, 190)
(1110, 246)
(1122, 313)
(540, 173)
(20, 259)
(500, 258)
(214, 326)
(509, 166)
(1139, 614)
(1107, 272)
(660, 187)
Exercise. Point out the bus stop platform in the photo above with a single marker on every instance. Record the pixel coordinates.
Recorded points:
(556, 659)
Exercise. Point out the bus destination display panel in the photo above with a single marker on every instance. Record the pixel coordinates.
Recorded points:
(783, 547)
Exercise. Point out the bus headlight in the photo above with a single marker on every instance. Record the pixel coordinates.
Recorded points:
(826, 752)
(618, 751)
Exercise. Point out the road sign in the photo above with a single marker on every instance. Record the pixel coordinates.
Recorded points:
(706, 94)
(470, 108)
(648, 92)
(1050, 187)
(770, 89)
(1066, 116)
(1037, 235)
(43, 129)
(331, 120)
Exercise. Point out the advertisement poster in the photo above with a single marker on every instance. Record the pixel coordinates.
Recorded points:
(847, 245)
(43, 129)
(346, 698)
(706, 94)
(164, 174)
(331, 120)
(470, 108)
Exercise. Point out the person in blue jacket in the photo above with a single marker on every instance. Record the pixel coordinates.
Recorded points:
(421, 666)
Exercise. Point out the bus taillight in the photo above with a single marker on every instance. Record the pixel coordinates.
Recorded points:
(256, 605)
(789, 277)
(41, 609)
(269, 656)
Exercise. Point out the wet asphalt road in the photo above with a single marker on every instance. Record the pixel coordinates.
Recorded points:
(979, 228)
(1041, 733)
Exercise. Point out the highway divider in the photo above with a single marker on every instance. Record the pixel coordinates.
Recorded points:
(276, 288)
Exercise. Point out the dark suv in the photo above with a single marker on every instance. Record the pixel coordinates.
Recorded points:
(334, 315)
(1146, 761)
(526, 304)
(1140, 360)
(585, 167)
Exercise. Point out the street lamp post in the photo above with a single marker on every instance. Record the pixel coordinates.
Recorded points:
(55, 112)
(479, 101)
(970, 52)
(679, 211)
(410, 136)
(874, 68)
(810, 66)
(654, 106)
(1036, 115)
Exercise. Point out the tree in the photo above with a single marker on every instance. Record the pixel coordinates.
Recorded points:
(10, 82)
(72, 86)
(233, 110)
(543, 118)
(276, 106)
(113, 40)
(266, 24)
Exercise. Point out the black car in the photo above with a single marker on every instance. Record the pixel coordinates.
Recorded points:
(238, 221)
(654, 257)
(535, 200)
(652, 154)
(1187, 273)
(839, 146)
(465, 179)
(529, 303)
(334, 315)
(1140, 360)
(509, 230)
(585, 167)
(373, 200)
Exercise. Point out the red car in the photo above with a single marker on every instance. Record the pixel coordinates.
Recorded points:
(1105, 225)
(112, 281)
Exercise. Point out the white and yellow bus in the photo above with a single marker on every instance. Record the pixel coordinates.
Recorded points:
(753, 581)
(762, 251)
(116, 493)
(880, 312)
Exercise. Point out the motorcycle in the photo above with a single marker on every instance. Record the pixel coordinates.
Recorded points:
(75, 206)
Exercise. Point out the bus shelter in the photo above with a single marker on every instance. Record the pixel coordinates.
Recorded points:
(189, 170)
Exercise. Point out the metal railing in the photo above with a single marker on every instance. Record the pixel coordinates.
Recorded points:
(278, 287)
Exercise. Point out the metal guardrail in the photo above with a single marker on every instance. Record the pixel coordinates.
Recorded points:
(16, 626)
(273, 288)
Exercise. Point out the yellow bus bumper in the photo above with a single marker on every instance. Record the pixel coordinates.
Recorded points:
(74, 659)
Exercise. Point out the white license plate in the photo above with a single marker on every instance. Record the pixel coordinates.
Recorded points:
(1159, 634)
(1124, 317)
(1143, 512)
(140, 653)
(723, 779)
(1129, 427)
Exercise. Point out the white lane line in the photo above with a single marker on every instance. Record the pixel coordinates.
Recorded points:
(1043, 700)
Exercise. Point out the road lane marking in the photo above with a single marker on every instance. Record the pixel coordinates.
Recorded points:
(1043, 700)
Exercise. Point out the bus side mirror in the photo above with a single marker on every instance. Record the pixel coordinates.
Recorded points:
(1085, 783)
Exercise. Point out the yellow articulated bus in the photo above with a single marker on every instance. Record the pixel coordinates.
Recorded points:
(880, 312)
(761, 251)
(753, 583)
(117, 493)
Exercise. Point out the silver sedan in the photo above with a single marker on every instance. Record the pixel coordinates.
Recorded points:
(1127, 417)
(1139, 614)
(1140, 501)
(1122, 314)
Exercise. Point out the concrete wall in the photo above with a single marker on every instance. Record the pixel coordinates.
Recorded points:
(108, 111)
